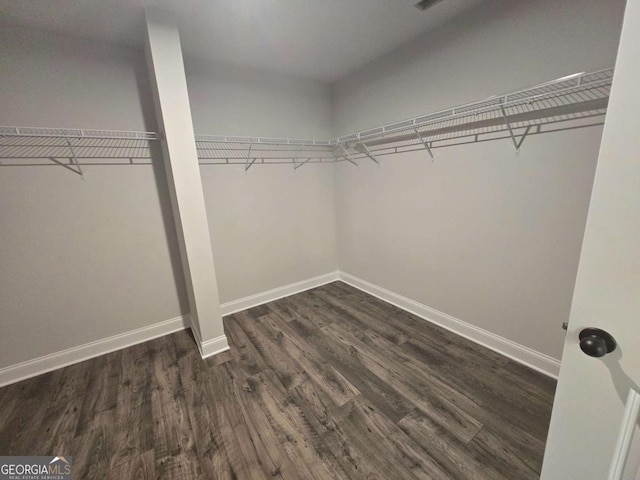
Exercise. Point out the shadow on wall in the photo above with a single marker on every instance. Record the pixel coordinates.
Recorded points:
(143, 84)
(623, 384)
(162, 188)
(621, 381)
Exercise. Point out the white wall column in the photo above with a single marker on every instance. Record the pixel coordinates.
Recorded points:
(169, 84)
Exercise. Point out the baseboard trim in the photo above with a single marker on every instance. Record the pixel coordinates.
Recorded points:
(521, 354)
(211, 347)
(31, 368)
(214, 346)
(270, 295)
(53, 361)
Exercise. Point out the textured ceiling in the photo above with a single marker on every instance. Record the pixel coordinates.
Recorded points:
(320, 39)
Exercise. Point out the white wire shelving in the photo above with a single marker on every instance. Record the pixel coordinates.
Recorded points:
(220, 150)
(572, 102)
(30, 146)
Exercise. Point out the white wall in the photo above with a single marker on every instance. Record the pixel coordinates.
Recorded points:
(85, 260)
(230, 100)
(51, 80)
(270, 226)
(497, 47)
(80, 260)
(98, 258)
(480, 234)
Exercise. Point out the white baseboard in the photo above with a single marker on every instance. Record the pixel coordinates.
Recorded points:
(220, 344)
(213, 346)
(210, 347)
(280, 292)
(30, 368)
(521, 354)
(53, 361)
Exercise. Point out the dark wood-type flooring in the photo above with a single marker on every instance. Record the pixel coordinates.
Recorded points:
(326, 384)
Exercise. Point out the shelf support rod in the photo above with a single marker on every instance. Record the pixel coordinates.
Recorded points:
(362, 148)
(247, 165)
(295, 158)
(58, 162)
(424, 142)
(345, 154)
(75, 158)
(298, 165)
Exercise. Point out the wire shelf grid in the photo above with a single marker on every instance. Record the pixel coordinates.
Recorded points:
(516, 114)
(571, 102)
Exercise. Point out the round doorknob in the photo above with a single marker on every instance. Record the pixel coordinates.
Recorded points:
(596, 343)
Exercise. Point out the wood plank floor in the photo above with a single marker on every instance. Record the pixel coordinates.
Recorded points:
(327, 384)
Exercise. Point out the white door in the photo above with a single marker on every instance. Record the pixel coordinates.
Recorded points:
(592, 392)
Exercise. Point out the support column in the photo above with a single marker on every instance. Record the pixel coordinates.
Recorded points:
(169, 85)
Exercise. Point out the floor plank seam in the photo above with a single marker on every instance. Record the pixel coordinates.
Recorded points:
(328, 383)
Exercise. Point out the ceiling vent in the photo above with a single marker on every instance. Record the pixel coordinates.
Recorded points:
(424, 4)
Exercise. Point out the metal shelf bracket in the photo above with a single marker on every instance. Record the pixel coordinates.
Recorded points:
(424, 142)
(248, 164)
(298, 165)
(345, 154)
(75, 159)
(362, 148)
(567, 103)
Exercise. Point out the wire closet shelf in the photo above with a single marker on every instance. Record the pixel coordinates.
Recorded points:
(567, 103)
(571, 102)
(30, 146)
